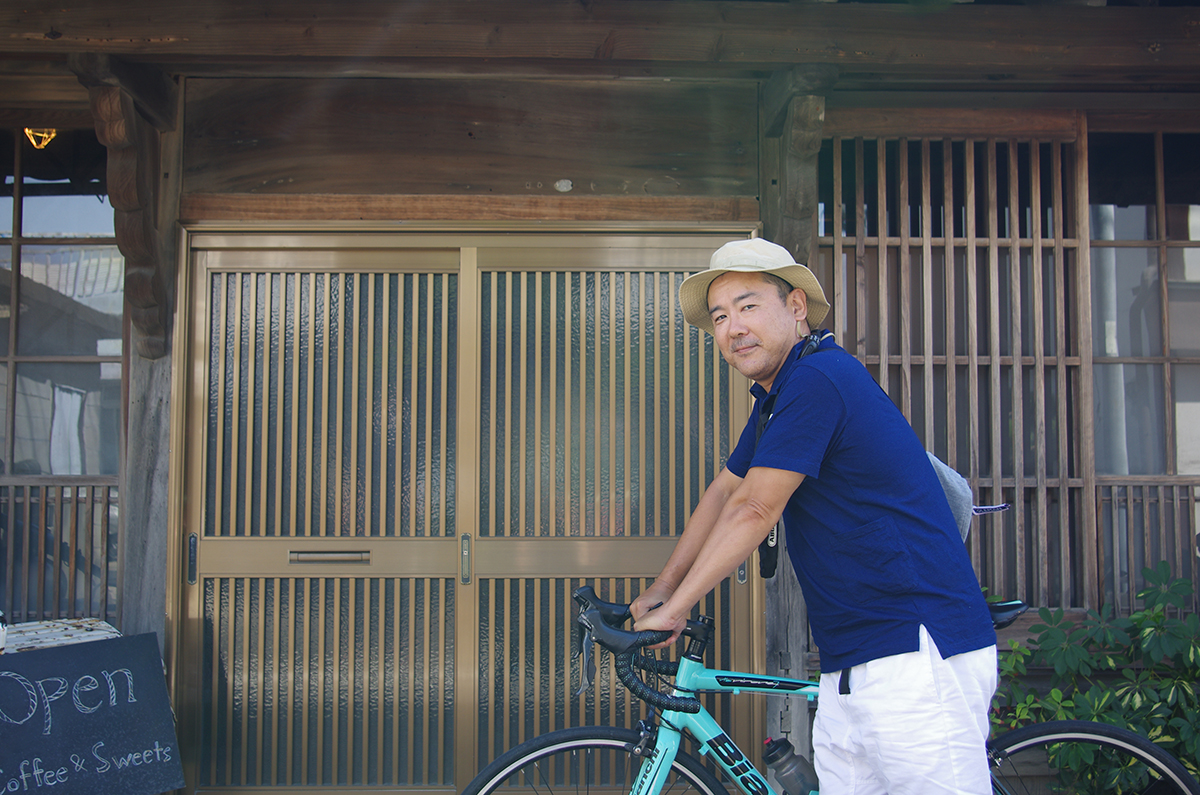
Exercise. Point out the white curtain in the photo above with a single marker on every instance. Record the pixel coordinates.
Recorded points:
(66, 440)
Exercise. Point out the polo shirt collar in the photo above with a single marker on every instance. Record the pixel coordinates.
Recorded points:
(793, 356)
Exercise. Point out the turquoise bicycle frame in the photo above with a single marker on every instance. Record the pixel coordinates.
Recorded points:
(693, 677)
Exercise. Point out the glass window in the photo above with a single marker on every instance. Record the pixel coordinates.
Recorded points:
(6, 195)
(1187, 419)
(63, 187)
(1112, 222)
(6, 209)
(67, 419)
(1183, 297)
(1183, 221)
(1146, 187)
(64, 215)
(1121, 178)
(1129, 420)
(61, 349)
(5, 295)
(3, 413)
(72, 298)
(1126, 303)
(1181, 185)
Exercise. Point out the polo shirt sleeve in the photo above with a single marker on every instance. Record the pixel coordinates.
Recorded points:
(809, 416)
(739, 460)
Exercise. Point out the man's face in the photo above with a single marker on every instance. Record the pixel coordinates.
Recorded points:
(754, 328)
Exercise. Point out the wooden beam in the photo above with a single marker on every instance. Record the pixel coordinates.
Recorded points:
(43, 92)
(46, 117)
(1059, 125)
(251, 208)
(992, 39)
(153, 92)
(1145, 121)
(1156, 102)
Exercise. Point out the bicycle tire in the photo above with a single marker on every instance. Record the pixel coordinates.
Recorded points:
(585, 759)
(1083, 756)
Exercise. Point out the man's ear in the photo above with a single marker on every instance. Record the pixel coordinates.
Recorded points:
(798, 303)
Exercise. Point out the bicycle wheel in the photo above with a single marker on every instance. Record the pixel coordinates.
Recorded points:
(592, 759)
(1076, 756)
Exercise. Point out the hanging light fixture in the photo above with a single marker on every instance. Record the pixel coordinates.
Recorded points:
(40, 137)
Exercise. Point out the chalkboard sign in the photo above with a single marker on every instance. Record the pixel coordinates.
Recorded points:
(87, 718)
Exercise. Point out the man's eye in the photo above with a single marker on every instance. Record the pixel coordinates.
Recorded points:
(718, 319)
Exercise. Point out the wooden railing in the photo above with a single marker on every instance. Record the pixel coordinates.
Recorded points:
(1140, 522)
(60, 550)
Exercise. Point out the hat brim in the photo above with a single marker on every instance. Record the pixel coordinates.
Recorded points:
(693, 292)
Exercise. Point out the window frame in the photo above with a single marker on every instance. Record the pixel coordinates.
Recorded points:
(87, 506)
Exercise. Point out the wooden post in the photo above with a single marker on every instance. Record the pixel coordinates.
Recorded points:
(135, 110)
(793, 120)
(793, 117)
(787, 652)
(801, 142)
(131, 106)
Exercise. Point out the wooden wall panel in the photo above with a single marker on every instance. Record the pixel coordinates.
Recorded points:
(362, 136)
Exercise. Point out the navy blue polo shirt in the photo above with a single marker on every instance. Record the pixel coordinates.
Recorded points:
(869, 531)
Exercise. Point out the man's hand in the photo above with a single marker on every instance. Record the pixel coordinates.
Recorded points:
(657, 594)
(661, 618)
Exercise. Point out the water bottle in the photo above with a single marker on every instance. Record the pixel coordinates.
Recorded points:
(794, 773)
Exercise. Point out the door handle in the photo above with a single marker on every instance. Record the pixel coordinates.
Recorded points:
(465, 562)
(193, 543)
(340, 556)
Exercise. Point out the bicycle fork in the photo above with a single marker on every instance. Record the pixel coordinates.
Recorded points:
(662, 742)
(664, 745)
(657, 749)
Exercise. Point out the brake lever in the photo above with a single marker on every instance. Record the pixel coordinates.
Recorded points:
(587, 669)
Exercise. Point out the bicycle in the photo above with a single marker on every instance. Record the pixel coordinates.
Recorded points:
(649, 760)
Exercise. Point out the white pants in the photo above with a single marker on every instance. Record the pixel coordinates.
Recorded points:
(912, 723)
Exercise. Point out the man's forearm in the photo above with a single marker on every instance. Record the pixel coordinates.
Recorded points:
(744, 520)
(720, 555)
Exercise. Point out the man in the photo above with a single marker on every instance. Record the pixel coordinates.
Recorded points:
(907, 647)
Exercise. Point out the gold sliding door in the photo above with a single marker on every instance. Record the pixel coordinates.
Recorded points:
(402, 453)
(604, 417)
(323, 544)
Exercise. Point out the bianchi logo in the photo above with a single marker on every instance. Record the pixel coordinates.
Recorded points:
(735, 762)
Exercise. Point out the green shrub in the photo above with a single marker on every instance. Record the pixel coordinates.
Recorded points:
(1140, 673)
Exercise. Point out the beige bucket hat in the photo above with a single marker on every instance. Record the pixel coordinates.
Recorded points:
(750, 256)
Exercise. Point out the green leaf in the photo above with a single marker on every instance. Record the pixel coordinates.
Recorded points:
(1140, 671)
